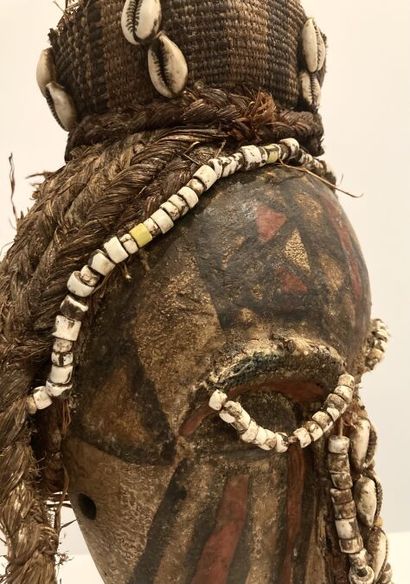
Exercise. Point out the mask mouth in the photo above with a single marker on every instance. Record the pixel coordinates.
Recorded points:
(301, 370)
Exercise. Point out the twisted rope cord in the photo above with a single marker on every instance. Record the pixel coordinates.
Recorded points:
(98, 192)
(254, 118)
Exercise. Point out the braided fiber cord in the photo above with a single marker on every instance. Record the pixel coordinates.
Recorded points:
(114, 178)
(96, 194)
(251, 117)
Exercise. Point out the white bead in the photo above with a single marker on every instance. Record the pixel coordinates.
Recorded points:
(351, 546)
(197, 186)
(348, 380)
(62, 359)
(115, 250)
(163, 220)
(218, 400)
(62, 345)
(167, 66)
(206, 175)
(338, 444)
(314, 430)
(250, 434)
(61, 375)
(72, 308)
(253, 157)
(129, 243)
(261, 437)
(216, 165)
(180, 203)
(243, 421)
(293, 146)
(333, 413)
(171, 210)
(303, 436)
(324, 420)
(66, 328)
(100, 263)
(77, 287)
(282, 442)
(347, 528)
(270, 441)
(367, 578)
(89, 277)
(344, 392)
(359, 560)
(231, 164)
(152, 227)
(233, 408)
(360, 437)
(41, 398)
(365, 495)
(56, 389)
(226, 417)
(140, 20)
(189, 196)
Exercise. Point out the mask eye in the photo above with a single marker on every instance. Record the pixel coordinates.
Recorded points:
(87, 506)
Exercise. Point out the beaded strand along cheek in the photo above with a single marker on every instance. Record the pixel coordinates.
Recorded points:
(82, 284)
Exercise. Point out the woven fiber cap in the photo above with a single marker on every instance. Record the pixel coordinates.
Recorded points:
(227, 44)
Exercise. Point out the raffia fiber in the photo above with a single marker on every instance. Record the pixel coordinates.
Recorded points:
(250, 116)
(118, 173)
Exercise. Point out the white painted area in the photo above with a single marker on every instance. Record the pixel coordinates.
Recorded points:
(366, 112)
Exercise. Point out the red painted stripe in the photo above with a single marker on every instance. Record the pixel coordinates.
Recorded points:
(218, 553)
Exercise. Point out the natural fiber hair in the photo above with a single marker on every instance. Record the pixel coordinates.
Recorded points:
(119, 170)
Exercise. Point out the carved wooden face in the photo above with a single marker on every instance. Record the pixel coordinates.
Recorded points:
(164, 491)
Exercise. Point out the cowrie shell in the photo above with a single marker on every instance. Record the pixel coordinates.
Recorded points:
(314, 48)
(360, 437)
(61, 105)
(365, 495)
(46, 71)
(167, 66)
(140, 20)
(311, 89)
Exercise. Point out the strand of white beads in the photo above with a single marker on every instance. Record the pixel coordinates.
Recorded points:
(350, 538)
(336, 403)
(83, 283)
(368, 495)
(377, 343)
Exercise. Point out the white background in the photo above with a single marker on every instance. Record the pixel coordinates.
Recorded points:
(366, 112)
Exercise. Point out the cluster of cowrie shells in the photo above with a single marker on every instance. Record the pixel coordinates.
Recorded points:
(83, 283)
(377, 343)
(336, 404)
(60, 102)
(168, 69)
(314, 54)
(357, 504)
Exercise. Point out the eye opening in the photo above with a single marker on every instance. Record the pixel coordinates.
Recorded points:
(87, 506)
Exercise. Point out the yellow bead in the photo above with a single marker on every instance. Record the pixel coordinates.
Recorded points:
(141, 235)
(273, 156)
